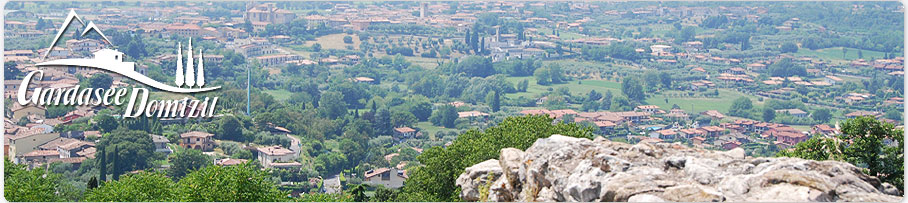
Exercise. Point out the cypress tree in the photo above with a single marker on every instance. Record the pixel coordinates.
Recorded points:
(102, 164)
(116, 170)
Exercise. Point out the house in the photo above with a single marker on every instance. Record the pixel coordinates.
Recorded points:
(666, 134)
(832, 79)
(84, 45)
(731, 145)
(366, 80)
(798, 113)
(605, 126)
(647, 108)
(268, 13)
(471, 114)
(28, 141)
(756, 66)
(388, 177)
(278, 130)
(38, 157)
(185, 30)
(403, 133)
(698, 140)
(661, 50)
(160, 144)
(713, 131)
(863, 113)
(714, 114)
(692, 132)
(197, 140)
(823, 129)
(270, 156)
(229, 162)
(25, 111)
(789, 137)
(277, 59)
(70, 149)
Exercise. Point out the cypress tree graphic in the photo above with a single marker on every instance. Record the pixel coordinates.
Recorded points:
(179, 77)
(190, 75)
(201, 73)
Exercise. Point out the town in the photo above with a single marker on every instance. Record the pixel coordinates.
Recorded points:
(331, 99)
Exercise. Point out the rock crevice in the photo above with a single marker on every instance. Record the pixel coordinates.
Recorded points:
(561, 168)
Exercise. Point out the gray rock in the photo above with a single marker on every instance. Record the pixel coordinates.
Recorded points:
(561, 168)
(645, 198)
(476, 177)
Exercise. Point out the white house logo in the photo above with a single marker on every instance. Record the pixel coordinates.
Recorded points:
(188, 80)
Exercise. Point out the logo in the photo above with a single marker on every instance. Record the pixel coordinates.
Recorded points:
(190, 79)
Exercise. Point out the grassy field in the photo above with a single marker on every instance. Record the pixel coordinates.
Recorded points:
(583, 88)
(565, 35)
(427, 127)
(335, 41)
(700, 104)
(835, 54)
(280, 95)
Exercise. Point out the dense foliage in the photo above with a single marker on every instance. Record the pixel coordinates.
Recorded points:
(435, 180)
(863, 143)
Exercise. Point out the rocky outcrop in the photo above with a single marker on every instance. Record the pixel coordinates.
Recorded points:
(561, 168)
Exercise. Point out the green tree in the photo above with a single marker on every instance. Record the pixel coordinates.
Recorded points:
(383, 194)
(332, 105)
(100, 81)
(316, 47)
(494, 101)
(435, 180)
(348, 39)
(768, 114)
(230, 128)
(402, 118)
(421, 108)
(359, 193)
(22, 185)
(128, 150)
(445, 115)
(862, 143)
(92, 183)
(106, 123)
(543, 76)
(523, 85)
(632, 88)
(185, 161)
(237, 183)
(741, 107)
(140, 187)
(821, 115)
(687, 34)
(867, 148)
(789, 47)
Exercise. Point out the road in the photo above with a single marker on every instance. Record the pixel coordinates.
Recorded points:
(333, 185)
(294, 144)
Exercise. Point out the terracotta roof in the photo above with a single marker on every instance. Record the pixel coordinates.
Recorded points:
(196, 134)
(71, 160)
(52, 145)
(230, 162)
(74, 145)
(42, 153)
(404, 130)
(375, 172)
(274, 150)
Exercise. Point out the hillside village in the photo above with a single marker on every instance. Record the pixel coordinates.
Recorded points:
(342, 94)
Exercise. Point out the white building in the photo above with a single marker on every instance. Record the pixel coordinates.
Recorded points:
(275, 155)
(388, 177)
